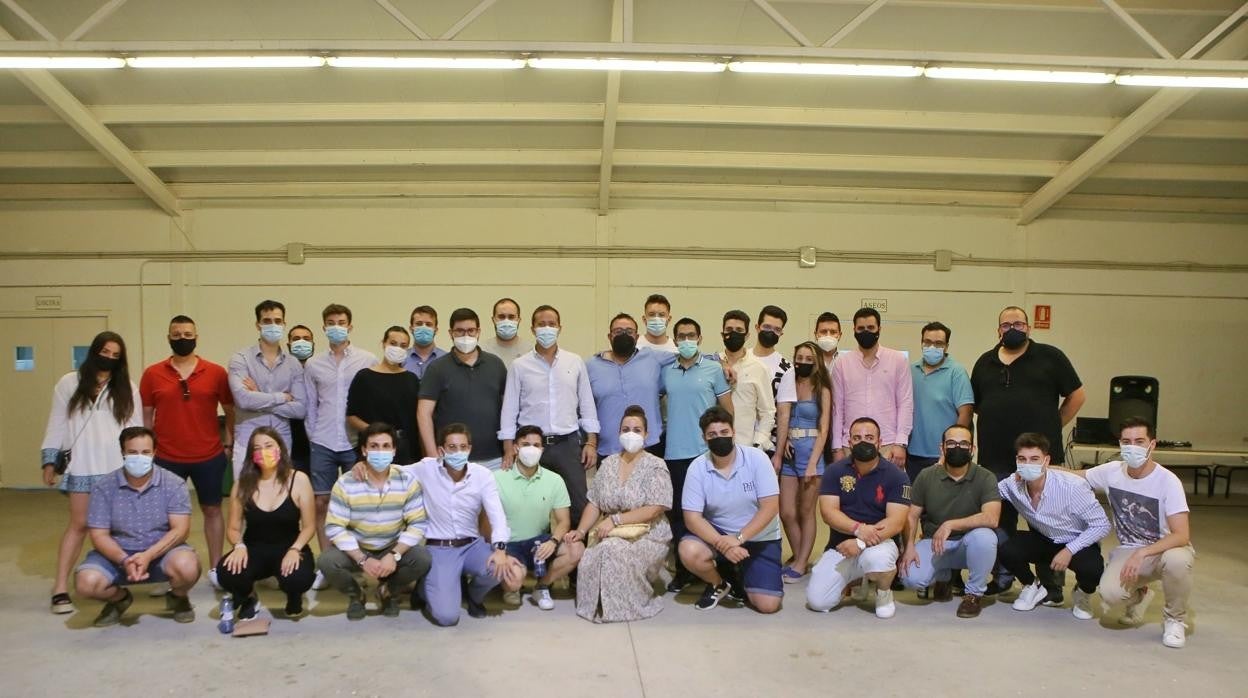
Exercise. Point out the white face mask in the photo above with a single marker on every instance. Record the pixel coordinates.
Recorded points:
(827, 343)
(530, 455)
(631, 441)
(395, 355)
(465, 345)
(1135, 456)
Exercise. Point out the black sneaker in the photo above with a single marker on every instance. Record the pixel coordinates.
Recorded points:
(111, 613)
(712, 596)
(998, 586)
(416, 603)
(476, 609)
(355, 608)
(389, 604)
(735, 593)
(247, 609)
(1054, 599)
(678, 583)
(294, 604)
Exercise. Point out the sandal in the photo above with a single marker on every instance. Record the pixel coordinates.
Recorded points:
(790, 575)
(61, 604)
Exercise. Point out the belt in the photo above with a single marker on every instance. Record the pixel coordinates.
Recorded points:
(802, 433)
(552, 439)
(448, 542)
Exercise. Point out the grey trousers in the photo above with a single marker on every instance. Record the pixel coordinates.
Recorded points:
(565, 458)
(339, 569)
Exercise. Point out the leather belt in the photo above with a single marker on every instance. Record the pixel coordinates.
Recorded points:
(553, 439)
(448, 542)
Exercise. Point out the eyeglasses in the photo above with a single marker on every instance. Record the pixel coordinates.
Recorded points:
(1016, 325)
(771, 328)
(957, 444)
(685, 336)
(623, 330)
(938, 345)
(465, 332)
(186, 388)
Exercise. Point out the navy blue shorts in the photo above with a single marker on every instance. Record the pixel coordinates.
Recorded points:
(522, 550)
(760, 572)
(206, 476)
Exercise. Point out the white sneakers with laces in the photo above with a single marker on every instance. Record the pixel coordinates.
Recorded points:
(884, 606)
(542, 596)
(1030, 596)
(1174, 633)
(1082, 608)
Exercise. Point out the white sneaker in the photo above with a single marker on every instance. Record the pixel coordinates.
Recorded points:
(1174, 633)
(1134, 615)
(319, 582)
(1082, 608)
(212, 579)
(884, 606)
(542, 596)
(1030, 596)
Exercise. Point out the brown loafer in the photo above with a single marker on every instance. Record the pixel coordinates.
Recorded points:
(970, 606)
(941, 591)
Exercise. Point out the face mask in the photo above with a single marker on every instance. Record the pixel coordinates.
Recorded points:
(137, 464)
(272, 333)
(182, 347)
(106, 363)
(458, 460)
(632, 441)
(733, 341)
(655, 326)
(768, 339)
(547, 336)
(466, 345)
(623, 344)
(379, 460)
(423, 335)
(395, 355)
(301, 348)
(933, 355)
(957, 457)
(864, 452)
(1013, 339)
(506, 329)
(827, 343)
(337, 334)
(803, 370)
(265, 459)
(529, 455)
(1135, 456)
(865, 339)
(720, 445)
(687, 348)
(1030, 472)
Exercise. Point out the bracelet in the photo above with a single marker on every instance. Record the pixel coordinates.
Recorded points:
(854, 530)
(237, 546)
(294, 549)
(615, 519)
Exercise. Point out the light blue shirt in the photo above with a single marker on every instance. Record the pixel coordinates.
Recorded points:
(690, 392)
(328, 379)
(937, 397)
(637, 381)
(417, 365)
(1068, 512)
(729, 503)
(267, 406)
(554, 396)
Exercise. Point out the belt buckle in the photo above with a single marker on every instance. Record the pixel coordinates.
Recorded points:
(549, 439)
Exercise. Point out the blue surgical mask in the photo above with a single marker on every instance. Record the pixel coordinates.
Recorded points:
(423, 335)
(379, 460)
(137, 464)
(337, 334)
(1030, 471)
(1135, 456)
(933, 355)
(547, 336)
(458, 460)
(272, 333)
(656, 325)
(301, 348)
(506, 329)
(688, 348)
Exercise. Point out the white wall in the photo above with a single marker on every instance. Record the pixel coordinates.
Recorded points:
(1185, 328)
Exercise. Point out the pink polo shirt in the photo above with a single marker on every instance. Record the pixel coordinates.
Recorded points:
(881, 391)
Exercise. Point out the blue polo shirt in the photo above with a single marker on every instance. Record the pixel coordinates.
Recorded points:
(637, 381)
(729, 503)
(937, 397)
(136, 519)
(865, 498)
(690, 392)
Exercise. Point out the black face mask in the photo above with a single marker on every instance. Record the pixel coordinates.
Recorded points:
(720, 445)
(623, 344)
(864, 452)
(733, 341)
(182, 347)
(106, 363)
(1013, 339)
(803, 370)
(768, 339)
(865, 339)
(957, 457)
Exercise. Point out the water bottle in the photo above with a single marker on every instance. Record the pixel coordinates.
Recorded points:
(539, 566)
(226, 626)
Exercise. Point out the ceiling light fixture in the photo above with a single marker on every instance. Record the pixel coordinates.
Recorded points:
(885, 71)
(1183, 81)
(425, 62)
(225, 62)
(627, 64)
(60, 62)
(1011, 75)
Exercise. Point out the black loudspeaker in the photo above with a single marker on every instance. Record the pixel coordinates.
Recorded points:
(1132, 396)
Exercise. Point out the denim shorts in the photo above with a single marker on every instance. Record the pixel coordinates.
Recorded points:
(522, 550)
(760, 572)
(790, 469)
(116, 574)
(327, 464)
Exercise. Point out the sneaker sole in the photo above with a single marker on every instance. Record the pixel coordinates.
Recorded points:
(63, 608)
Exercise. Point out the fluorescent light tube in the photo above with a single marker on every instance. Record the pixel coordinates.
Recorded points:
(627, 64)
(425, 62)
(225, 62)
(1182, 81)
(886, 71)
(60, 62)
(1011, 75)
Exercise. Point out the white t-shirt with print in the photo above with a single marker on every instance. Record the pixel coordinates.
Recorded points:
(1140, 506)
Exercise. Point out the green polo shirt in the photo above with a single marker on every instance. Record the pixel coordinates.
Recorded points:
(529, 501)
(944, 498)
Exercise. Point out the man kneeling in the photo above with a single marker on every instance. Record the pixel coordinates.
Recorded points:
(138, 518)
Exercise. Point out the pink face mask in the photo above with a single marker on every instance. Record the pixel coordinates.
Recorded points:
(265, 459)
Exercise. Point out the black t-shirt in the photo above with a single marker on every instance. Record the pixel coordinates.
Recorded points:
(865, 498)
(470, 395)
(389, 398)
(1023, 396)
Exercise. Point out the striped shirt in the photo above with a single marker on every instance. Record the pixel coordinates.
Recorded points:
(361, 516)
(1068, 512)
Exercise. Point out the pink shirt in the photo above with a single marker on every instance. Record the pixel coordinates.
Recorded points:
(881, 391)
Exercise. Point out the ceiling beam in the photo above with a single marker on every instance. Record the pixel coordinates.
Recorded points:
(1217, 32)
(620, 11)
(1136, 28)
(1096, 158)
(96, 17)
(782, 22)
(854, 23)
(401, 18)
(29, 19)
(470, 17)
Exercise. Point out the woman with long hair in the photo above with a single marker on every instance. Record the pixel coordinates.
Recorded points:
(277, 505)
(90, 407)
(802, 430)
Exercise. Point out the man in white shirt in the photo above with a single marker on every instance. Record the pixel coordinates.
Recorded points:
(753, 402)
(1151, 520)
(658, 316)
(549, 388)
(506, 343)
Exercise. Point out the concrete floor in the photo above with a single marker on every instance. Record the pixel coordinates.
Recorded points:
(925, 650)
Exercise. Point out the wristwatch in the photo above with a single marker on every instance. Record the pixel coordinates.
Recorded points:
(500, 546)
(397, 556)
(861, 545)
(740, 537)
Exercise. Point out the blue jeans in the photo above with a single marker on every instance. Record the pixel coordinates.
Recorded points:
(975, 551)
(442, 588)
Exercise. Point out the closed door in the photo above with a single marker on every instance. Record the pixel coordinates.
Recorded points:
(37, 352)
